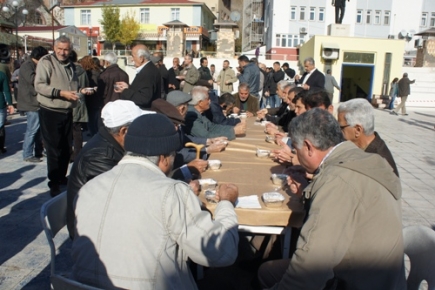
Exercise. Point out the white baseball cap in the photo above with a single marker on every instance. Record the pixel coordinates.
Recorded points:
(121, 112)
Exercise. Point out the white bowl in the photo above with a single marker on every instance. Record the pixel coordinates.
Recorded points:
(207, 183)
(89, 90)
(273, 199)
(210, 196)
(270, 139)
(214, 164)
(234, 116)
(243, 116)
(279, 179)
(263, 153)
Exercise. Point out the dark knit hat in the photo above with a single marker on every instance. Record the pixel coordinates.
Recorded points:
(163, 107)
(152, 135)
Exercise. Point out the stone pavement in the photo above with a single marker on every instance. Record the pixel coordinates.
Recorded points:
(24, 253)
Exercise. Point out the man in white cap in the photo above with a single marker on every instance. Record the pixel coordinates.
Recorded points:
(102, 152)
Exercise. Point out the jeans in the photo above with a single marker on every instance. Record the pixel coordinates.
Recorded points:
(273, 101)
(93, 114)
(32, 137)
(56, 130)
(391, 105)
(3, 114)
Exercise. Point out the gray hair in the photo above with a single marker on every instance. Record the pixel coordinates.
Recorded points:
(116, 130)
(111, 58)
(359, 112)
(199, 93)
(62, 39)
(310, 60)
(153, 159)
(282, 85)
(244, 86)
(143, 52)
(319, 127)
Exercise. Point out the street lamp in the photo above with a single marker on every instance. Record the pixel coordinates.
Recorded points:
(15, 9)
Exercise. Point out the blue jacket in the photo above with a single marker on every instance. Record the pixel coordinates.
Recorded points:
(216, 115)
(251, 76)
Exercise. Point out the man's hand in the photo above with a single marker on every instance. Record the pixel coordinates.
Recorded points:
(266, 94)
(240, 128)
(219, 140)
(210, 82)
(198, 164)
(216, 147)
(297, 182)
(11, 109)
(262, 113)
(278, 138)
(236, 110)
(306, 87)
(69, 95)
(271, 129)
(297, 77)
(180, 77)
(120, 87)
(249, 114)
(227, 191)
(196, 188)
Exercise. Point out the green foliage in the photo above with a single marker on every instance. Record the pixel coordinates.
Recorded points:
(129, 28)
(111, 23)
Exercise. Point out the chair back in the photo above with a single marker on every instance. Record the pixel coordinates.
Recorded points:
(419, 244)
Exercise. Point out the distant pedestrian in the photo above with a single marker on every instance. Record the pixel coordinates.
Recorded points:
(5, 107)
(404, 92)
(330, 83)
(394, 90)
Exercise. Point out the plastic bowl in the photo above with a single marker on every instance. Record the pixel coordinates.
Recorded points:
(210, 196)
(262, 153)
(279, 179)
(273, 199)
(270, 139)
(208, 183)
(214, 164)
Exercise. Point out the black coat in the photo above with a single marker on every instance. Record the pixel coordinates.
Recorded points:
(272, 81)
(316, 80)
(108, 78)
(172, 80)
(290, 72)
(100, 154)
(26, 93)
(145, 88)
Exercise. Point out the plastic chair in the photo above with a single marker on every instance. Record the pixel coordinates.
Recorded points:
(419, 244)
(53, 219)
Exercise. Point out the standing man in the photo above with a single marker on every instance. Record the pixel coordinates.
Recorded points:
(173, 72)
(330, 83)
(249, 73)
(290, 73)
(5, 108)
(189, 76)
(340, 6)
(147, 85)
(158, 56)
(205, 74)
(226, 78)
(32, 144)
(213, 73)
(312, 78)
(109, 77)
(57, 86)
(276, 76)
(404, 92)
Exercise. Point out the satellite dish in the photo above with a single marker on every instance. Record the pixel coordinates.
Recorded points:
(403, 33)
(235, 16)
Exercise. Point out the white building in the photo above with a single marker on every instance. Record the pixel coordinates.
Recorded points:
(289, 23)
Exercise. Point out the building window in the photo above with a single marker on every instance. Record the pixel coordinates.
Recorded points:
(377, 17)
(175, 13)
(368, 16)
(359, 16)
(302, 14)
(144, 15)
(288, 40)
(321, 14)
(312, 13)
(85, 17)
(432, 19)
(38, 19)
(387, 18)
(423, 19)
(293, 13)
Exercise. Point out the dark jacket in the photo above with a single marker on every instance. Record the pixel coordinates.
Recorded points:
(272, 81)
(27, 93)
(4, 88)
(100, 154)
(164, 73)
(145, 88)
(250, 105)
(216, 115)
(378, 146)
(404, 86)
(290, 72)
(108, 78)
(251, 76)
(316, 80)
(80, 112)
(172, 80)
(94, 100)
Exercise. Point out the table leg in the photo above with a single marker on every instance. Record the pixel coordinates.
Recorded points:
(286, 243)
(199, 272)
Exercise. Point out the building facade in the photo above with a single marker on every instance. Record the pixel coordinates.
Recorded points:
(151, 15)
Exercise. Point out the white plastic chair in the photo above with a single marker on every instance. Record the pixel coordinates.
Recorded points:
(53, 219)
(419, 244)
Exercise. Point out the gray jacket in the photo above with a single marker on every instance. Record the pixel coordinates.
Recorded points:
(136, 228)
(404, 86)
(251, 76)
(26, 93)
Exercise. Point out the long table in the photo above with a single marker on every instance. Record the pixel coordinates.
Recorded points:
(251, 174)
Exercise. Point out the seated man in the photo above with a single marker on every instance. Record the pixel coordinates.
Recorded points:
(102, 152)
(218, 111)
(245, 102)
(357, 122)
(318, 99)
(199, 126)
(352, 235)
(136, 227)
(279, 114)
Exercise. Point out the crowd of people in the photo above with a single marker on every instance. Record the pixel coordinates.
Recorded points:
(133, 211)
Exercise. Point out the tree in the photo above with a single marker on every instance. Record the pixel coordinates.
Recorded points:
(129, 28)
(111, 24)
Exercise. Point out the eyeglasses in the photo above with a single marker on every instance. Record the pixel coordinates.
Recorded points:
(345, 126)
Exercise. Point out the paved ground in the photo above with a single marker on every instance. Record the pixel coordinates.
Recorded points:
(24, 254)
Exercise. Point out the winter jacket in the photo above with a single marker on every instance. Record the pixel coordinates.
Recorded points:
(53, 76)
(191, 75)
(27, 94)
(136, 229)
(226, 75)
(275, 77)
(100, 154)
(94, 101)
(199, 126)
(80, 112)
(108, 78)
(404, 86)
(394, 90)
(6, 99)
(353, 228)
(216, 115)
(172, 80)
(250, 105)
(251, 76)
